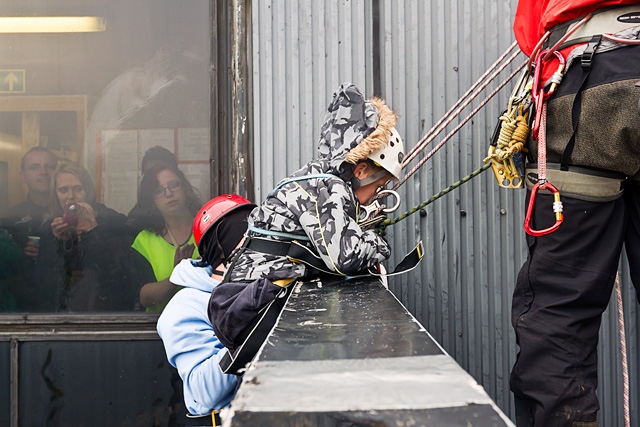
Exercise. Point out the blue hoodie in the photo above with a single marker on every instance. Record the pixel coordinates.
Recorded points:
(190, 343)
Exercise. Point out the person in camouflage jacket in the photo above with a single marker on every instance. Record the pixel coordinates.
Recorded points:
(359, 153)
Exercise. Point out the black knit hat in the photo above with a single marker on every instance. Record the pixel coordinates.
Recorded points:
(219, 243)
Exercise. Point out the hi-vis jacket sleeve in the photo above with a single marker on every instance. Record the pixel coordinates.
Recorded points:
(193, 348)
(341, 243)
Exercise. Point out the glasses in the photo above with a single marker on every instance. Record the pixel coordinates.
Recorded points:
(173, 186)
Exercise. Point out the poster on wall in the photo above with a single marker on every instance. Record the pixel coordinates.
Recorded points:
(120, 157)
(119, 169)
(152, 137)
(193, 144)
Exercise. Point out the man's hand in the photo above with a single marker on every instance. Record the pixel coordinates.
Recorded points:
(33, 247)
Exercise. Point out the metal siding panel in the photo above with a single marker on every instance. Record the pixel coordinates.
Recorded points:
(5, 386)
(466, 278)
(302, 51)
(122, 383)
(431, 53)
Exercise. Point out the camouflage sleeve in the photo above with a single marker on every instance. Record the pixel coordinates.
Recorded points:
(330, 224)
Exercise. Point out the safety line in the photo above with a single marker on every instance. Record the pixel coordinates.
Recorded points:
(386, 222)
(459, 126)
(429, 136)
(623, 354)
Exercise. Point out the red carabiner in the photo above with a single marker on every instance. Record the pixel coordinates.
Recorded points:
(557, 208)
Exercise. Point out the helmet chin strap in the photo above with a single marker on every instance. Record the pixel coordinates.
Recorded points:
(357, 183)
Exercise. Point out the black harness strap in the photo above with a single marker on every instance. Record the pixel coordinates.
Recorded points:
(586, 64)
(254, 335)
(269, 246)
(291, 249)
(296, 251)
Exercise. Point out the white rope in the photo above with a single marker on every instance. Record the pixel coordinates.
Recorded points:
(623, 354)
(454, 111)
(458, 127)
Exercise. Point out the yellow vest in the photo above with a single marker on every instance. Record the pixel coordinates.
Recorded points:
(160, 255)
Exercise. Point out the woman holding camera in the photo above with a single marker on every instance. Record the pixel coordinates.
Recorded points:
(168, 203)
(74, 208)
(98, 269)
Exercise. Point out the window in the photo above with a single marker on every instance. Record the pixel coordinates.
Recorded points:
(84, 111)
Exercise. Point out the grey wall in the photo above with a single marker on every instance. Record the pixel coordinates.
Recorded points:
(430, 54)
(302, 51)
(433, 52)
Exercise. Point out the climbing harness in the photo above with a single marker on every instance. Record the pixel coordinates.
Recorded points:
(297, 248)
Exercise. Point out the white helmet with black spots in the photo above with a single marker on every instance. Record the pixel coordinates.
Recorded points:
(383, 145)
(390, 156)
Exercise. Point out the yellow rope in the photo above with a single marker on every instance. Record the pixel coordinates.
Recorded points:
(513, 134)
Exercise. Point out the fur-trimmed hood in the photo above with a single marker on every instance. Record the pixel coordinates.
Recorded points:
(354, 127)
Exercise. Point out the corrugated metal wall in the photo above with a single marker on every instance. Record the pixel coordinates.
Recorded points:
(430, 54)
(434, 51)
(302, 51)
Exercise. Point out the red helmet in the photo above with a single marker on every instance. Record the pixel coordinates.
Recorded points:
(215, 209)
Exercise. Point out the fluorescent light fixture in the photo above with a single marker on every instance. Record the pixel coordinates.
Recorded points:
(52, 24)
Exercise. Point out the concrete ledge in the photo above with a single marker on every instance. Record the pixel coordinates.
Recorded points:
(350, 354)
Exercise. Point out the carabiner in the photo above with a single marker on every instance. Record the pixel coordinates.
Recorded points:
(369, 215)
(557, 208)
(553, 82)
(394, 194)
(538, 92)
(369, 211)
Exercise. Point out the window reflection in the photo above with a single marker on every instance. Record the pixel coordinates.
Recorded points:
(167, 205)
(89, 113)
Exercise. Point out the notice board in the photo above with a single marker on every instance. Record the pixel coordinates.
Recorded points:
(120, 152)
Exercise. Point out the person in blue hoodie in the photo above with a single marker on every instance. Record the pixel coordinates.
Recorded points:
(184, 326)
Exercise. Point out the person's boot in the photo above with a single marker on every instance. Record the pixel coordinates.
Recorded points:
(585, 424)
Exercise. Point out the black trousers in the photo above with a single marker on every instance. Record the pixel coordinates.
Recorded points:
(561, 292)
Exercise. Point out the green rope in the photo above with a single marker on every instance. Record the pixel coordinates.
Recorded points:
(380, 227)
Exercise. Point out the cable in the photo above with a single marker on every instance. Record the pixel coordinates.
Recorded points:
(380, 227)
(429, 136)
(623, 354)
(458, 127)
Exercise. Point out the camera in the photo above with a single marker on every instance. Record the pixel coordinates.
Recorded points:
(70, 215)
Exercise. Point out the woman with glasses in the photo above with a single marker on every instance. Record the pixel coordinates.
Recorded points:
(168, 203)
